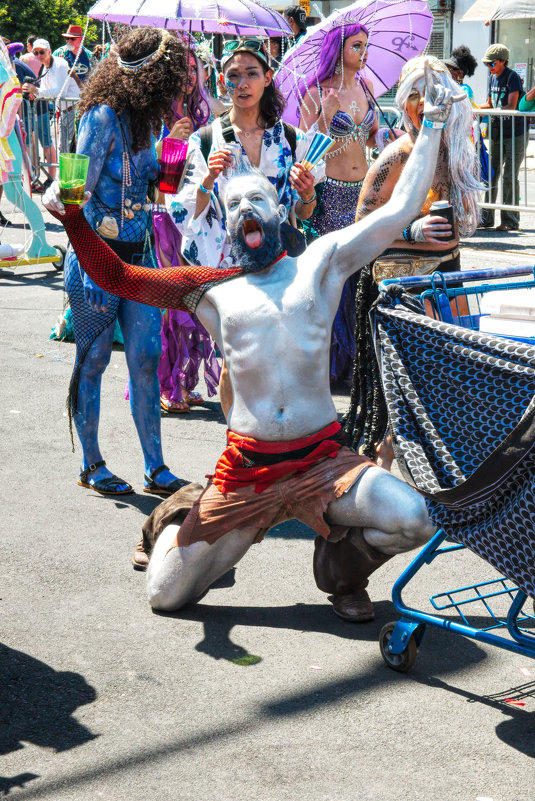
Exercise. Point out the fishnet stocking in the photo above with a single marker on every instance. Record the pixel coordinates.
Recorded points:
(168, 288)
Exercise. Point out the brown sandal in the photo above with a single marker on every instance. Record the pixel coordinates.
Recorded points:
(174, 407)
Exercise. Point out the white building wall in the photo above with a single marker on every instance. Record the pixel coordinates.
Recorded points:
(476, 36)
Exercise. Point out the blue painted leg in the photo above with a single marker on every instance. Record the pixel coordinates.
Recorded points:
(94, 472)
(141, 326)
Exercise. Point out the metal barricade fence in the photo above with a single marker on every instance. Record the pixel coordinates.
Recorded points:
(506, 140)
(509, 187)
(49, 125)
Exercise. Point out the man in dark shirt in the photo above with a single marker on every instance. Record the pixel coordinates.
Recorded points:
(73, 49)
(505, 91)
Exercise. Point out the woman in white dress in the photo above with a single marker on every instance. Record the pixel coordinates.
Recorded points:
(258, 139)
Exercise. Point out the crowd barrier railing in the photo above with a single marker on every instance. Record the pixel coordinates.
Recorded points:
(506, 135)
(49, 127)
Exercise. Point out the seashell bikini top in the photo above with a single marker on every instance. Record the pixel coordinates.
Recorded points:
(343, 127)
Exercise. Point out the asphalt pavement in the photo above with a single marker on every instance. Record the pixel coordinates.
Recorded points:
(258, 691)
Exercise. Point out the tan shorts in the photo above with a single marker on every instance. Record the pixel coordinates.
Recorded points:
(301, 496)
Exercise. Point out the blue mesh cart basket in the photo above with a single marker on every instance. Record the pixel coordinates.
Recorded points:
(461, 408)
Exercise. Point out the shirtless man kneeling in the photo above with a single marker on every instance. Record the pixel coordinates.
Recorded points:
(272, 318)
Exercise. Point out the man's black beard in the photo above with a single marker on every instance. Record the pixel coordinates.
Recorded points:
(252, 260)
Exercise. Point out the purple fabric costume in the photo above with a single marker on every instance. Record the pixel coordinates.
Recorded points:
(186, 344)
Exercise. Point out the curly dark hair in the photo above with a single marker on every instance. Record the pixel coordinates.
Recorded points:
(464, 58)
(148, 93)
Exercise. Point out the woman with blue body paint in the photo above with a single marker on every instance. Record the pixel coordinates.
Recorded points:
(121, 109)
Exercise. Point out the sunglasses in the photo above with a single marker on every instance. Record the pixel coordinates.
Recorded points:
(491, 63)
(251, 44)
(39, 52)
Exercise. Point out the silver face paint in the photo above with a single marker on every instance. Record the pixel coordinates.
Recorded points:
(231, 87)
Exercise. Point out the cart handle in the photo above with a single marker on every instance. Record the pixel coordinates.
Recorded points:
(443, 279)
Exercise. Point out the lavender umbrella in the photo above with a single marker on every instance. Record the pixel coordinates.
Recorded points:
(233, 17)
(398, 31)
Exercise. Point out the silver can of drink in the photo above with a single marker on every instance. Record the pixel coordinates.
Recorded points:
(441, 208)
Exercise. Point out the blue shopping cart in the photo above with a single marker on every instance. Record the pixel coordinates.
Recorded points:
(508, 611)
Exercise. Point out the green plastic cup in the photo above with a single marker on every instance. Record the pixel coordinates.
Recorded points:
(73, 169)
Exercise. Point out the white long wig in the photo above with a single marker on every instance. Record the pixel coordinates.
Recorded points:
(463, 162)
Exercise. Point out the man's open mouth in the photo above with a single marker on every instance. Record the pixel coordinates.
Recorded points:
(252, 233)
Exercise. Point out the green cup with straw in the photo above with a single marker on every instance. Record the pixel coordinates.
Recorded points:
(73, 169)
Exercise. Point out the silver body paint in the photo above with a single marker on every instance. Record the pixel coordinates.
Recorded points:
(273, 329)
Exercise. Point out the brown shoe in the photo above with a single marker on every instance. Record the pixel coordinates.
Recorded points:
(140, 558)
(357, 608)
(342, 569)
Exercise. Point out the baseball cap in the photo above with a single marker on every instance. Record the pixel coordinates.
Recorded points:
(298, 14)
(495, 52)
(41, 43)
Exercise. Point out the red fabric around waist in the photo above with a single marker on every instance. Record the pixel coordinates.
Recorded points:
(230, 474)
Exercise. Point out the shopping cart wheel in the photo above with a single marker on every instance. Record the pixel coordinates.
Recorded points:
(62, 252)
(401, 662)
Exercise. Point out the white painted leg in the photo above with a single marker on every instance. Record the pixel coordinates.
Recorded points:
(392, 515)
(176, 575)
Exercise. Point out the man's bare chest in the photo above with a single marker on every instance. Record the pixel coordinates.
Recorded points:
(246, 305)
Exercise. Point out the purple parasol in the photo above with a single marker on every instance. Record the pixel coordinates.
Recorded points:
(233, 17)
(398, 31)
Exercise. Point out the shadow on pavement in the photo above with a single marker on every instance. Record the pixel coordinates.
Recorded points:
(518, 730)
(37, 703)
(7, 783)
(499, 241)
(210, 411)
(50, 280)
(218, 622)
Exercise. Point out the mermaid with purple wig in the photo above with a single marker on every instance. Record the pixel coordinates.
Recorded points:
(186, 345)
(341, 101)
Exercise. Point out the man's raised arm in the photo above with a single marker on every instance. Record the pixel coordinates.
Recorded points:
(359, 244)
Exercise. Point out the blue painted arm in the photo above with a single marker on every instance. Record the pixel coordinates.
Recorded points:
(96, 134)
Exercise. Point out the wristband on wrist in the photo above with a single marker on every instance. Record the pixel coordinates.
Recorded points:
(431, 124)
(204, 190)
(306, 202)
(417, 230)
(407, 236)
